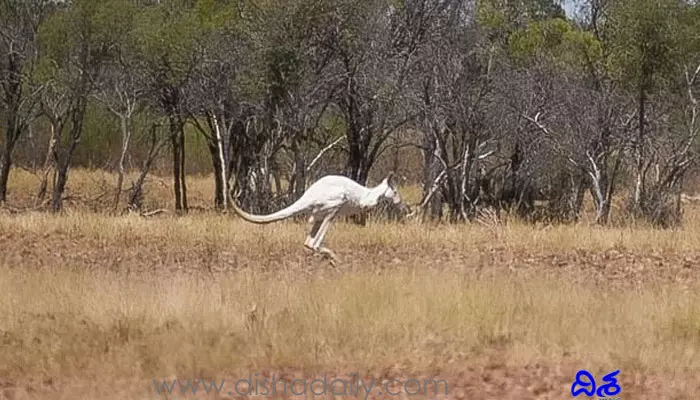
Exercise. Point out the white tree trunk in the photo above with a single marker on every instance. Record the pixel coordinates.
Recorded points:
(126, 137)
(222, 160)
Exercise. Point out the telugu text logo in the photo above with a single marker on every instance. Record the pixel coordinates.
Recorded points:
(587, 384)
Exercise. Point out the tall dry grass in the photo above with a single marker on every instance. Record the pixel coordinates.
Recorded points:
(91, 325)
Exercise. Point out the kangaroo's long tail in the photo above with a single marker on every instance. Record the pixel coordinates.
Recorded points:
(284, 213)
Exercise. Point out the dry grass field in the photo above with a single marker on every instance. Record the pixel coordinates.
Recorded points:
(97, 306)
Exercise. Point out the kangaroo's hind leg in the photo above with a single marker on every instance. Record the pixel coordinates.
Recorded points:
(323, 230)
(315, 228)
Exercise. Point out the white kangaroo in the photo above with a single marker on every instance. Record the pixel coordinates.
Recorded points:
(327, 198)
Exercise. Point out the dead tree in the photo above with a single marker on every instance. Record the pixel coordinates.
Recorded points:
(672, 152)
(589, 129)
(455, 101)
(122, 92)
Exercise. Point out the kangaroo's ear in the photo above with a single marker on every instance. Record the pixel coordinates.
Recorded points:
(392, 180)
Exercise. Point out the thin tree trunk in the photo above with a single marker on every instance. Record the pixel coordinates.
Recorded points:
(579, 197)
(599, 189)
(77, 117)
(182, 170)
(61, 178)
(136, 198)
(49, 162)
(126, 136)
(641, 170)
(431, 170)
(176, 170)
(177, 135)
(6, 157)
(220, 183)
(13, 98)
(298, 181)
(357, 170)
(6, 161)
(222, 166)
(218, 162)
(5, 165)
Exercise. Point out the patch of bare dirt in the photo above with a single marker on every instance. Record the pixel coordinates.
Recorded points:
(612, 267)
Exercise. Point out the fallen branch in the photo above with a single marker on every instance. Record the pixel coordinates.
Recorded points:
(152, 213)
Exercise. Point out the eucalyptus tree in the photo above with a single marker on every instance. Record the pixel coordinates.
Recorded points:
(299, 84)
(167, 44)
(75, 40)
(672, 127)
(214, 94)
(120, 87)
(644, 41)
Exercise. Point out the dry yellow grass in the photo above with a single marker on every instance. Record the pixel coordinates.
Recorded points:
(91, 300)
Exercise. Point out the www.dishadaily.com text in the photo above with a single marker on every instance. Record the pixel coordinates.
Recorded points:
(257, 385)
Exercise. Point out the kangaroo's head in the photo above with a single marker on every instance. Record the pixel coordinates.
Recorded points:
(390, 183)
